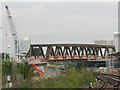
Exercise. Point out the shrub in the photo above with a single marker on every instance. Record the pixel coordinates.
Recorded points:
(119, 71)
(27, 70)
(6, 67)
(71, 79)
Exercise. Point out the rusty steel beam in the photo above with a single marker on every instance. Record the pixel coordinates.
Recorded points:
(70, 50)
(49, 48)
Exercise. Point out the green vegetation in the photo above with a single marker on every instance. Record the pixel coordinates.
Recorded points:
(19, 68)
(35, 52)
(69, 79)
(6, 67)
(83, 64)
(27, 70)
(52, 68)
(7, 56)
(13, 69)
(119, 71)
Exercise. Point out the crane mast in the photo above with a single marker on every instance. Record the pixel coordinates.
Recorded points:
(12, 29)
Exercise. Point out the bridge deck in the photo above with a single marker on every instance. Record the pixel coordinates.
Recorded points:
(70, 51)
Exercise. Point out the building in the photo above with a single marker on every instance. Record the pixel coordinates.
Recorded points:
(103, 42)
(117, 41)
(24, 46)
(116, 63)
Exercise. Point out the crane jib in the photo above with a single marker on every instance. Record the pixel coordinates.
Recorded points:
(6, 7)
(12, 28)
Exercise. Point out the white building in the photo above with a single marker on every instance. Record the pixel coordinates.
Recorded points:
(24, 46)
(104, 42)
(117, 41)
(0, 39)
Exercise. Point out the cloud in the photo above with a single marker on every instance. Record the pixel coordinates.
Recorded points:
(65, 22)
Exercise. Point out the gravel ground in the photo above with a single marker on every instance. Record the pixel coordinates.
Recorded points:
(51, 72)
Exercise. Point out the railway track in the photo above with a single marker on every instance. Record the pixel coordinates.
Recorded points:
(109, 81)
(103, 85)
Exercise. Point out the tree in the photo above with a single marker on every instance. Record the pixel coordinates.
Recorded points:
(34, 52)
(27, 70)
(7, 56)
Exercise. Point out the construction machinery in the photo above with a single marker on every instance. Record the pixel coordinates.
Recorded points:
(21, 46)
(15, 39)
(35, 67)
(12, 29)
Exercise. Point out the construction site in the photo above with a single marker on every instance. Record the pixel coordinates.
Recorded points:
(37, 62)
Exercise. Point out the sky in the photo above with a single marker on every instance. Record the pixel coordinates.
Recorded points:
(0, 28)
(70, 22)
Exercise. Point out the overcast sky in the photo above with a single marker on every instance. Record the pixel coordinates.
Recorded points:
(64, 22)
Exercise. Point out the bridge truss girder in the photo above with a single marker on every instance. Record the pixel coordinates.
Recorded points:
(71, 50)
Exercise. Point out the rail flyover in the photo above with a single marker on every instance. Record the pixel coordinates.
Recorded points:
(55, 52)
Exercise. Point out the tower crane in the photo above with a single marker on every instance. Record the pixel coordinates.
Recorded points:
(12, 29)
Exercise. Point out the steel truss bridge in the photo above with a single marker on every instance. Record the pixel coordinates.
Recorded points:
(53, 52)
